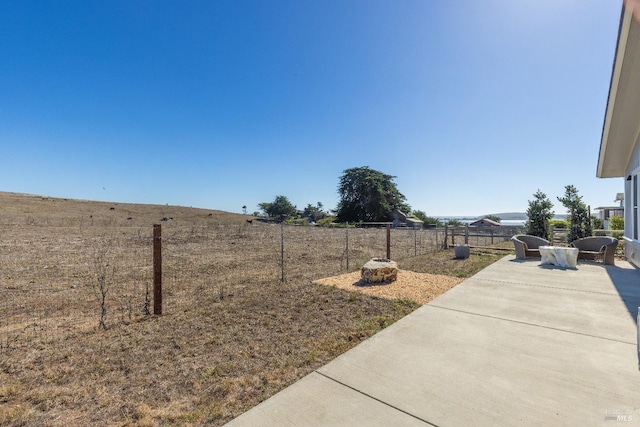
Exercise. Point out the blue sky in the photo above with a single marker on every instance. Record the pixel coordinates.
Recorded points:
(473, 105)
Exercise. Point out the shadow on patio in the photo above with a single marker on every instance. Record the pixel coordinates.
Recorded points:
(626, 279)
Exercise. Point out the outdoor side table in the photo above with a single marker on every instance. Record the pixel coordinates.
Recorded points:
(558, 255)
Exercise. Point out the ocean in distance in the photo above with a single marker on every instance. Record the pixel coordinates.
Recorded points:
(506, 222)
(513, 219)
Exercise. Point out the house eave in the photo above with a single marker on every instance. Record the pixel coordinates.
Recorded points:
(622, 121)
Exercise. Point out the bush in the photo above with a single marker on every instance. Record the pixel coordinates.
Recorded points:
(596, 223)
(616, 222)
(558, 223)
(427, 220)
(297, 221)
(327, 222)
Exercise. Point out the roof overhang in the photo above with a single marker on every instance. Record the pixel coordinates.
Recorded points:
(601, 208)
(622, 118)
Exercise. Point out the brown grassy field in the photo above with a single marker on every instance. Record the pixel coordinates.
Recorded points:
(232, 332)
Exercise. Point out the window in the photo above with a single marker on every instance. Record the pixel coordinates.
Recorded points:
(635, 207)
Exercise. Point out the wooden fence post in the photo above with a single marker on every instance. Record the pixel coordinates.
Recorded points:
(388, 240)
(347, 248)
(157, 269)
(282, 251)
(466, 234)
(446, 237)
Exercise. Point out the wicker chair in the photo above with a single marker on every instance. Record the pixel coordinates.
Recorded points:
(596, 247)
(527, 246)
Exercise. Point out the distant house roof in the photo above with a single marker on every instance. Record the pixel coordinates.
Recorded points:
(485, 222)
(397, 214)
(401, 218)
(616, 208)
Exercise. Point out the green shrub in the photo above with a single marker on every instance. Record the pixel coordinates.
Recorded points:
(558, 223)
(327, 222)
(616, 222)
(426, 219)
(297, 221)
(596, 223)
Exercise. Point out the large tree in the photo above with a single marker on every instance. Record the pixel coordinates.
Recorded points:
(314, 212)
(368, 195)
(579, 221)
(492, 217)
(539, 213)
(280, 209)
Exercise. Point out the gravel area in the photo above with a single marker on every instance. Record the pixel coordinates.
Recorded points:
(418, 287)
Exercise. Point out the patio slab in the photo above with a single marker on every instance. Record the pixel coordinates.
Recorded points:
(517, 344)
(316, 400)
(595, 300)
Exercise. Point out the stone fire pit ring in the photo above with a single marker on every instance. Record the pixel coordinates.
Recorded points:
(379, 271)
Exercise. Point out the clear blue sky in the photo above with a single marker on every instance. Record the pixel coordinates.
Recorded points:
(472, 104)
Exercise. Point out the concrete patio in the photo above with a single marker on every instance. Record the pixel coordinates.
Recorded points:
(517, 344)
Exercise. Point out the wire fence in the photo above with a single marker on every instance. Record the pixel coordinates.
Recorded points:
(57, 280)
(479, 236)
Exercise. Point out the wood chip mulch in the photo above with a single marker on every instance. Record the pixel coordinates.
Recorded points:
(418, 287)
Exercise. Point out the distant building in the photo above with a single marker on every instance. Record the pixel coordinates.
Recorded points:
(400, 219)
(485, 222)
(606, 212)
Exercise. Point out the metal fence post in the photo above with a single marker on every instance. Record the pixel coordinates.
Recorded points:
(157, 269)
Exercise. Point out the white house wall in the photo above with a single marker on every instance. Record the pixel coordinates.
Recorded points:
(632, 246)
(632, 251)
(634, 160)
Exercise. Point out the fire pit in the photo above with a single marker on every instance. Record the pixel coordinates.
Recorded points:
(379, 270)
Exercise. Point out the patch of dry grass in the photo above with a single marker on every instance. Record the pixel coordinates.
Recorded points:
(205, 364)
(231, 335)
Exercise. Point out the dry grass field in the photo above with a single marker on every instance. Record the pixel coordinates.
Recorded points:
(232, 332)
